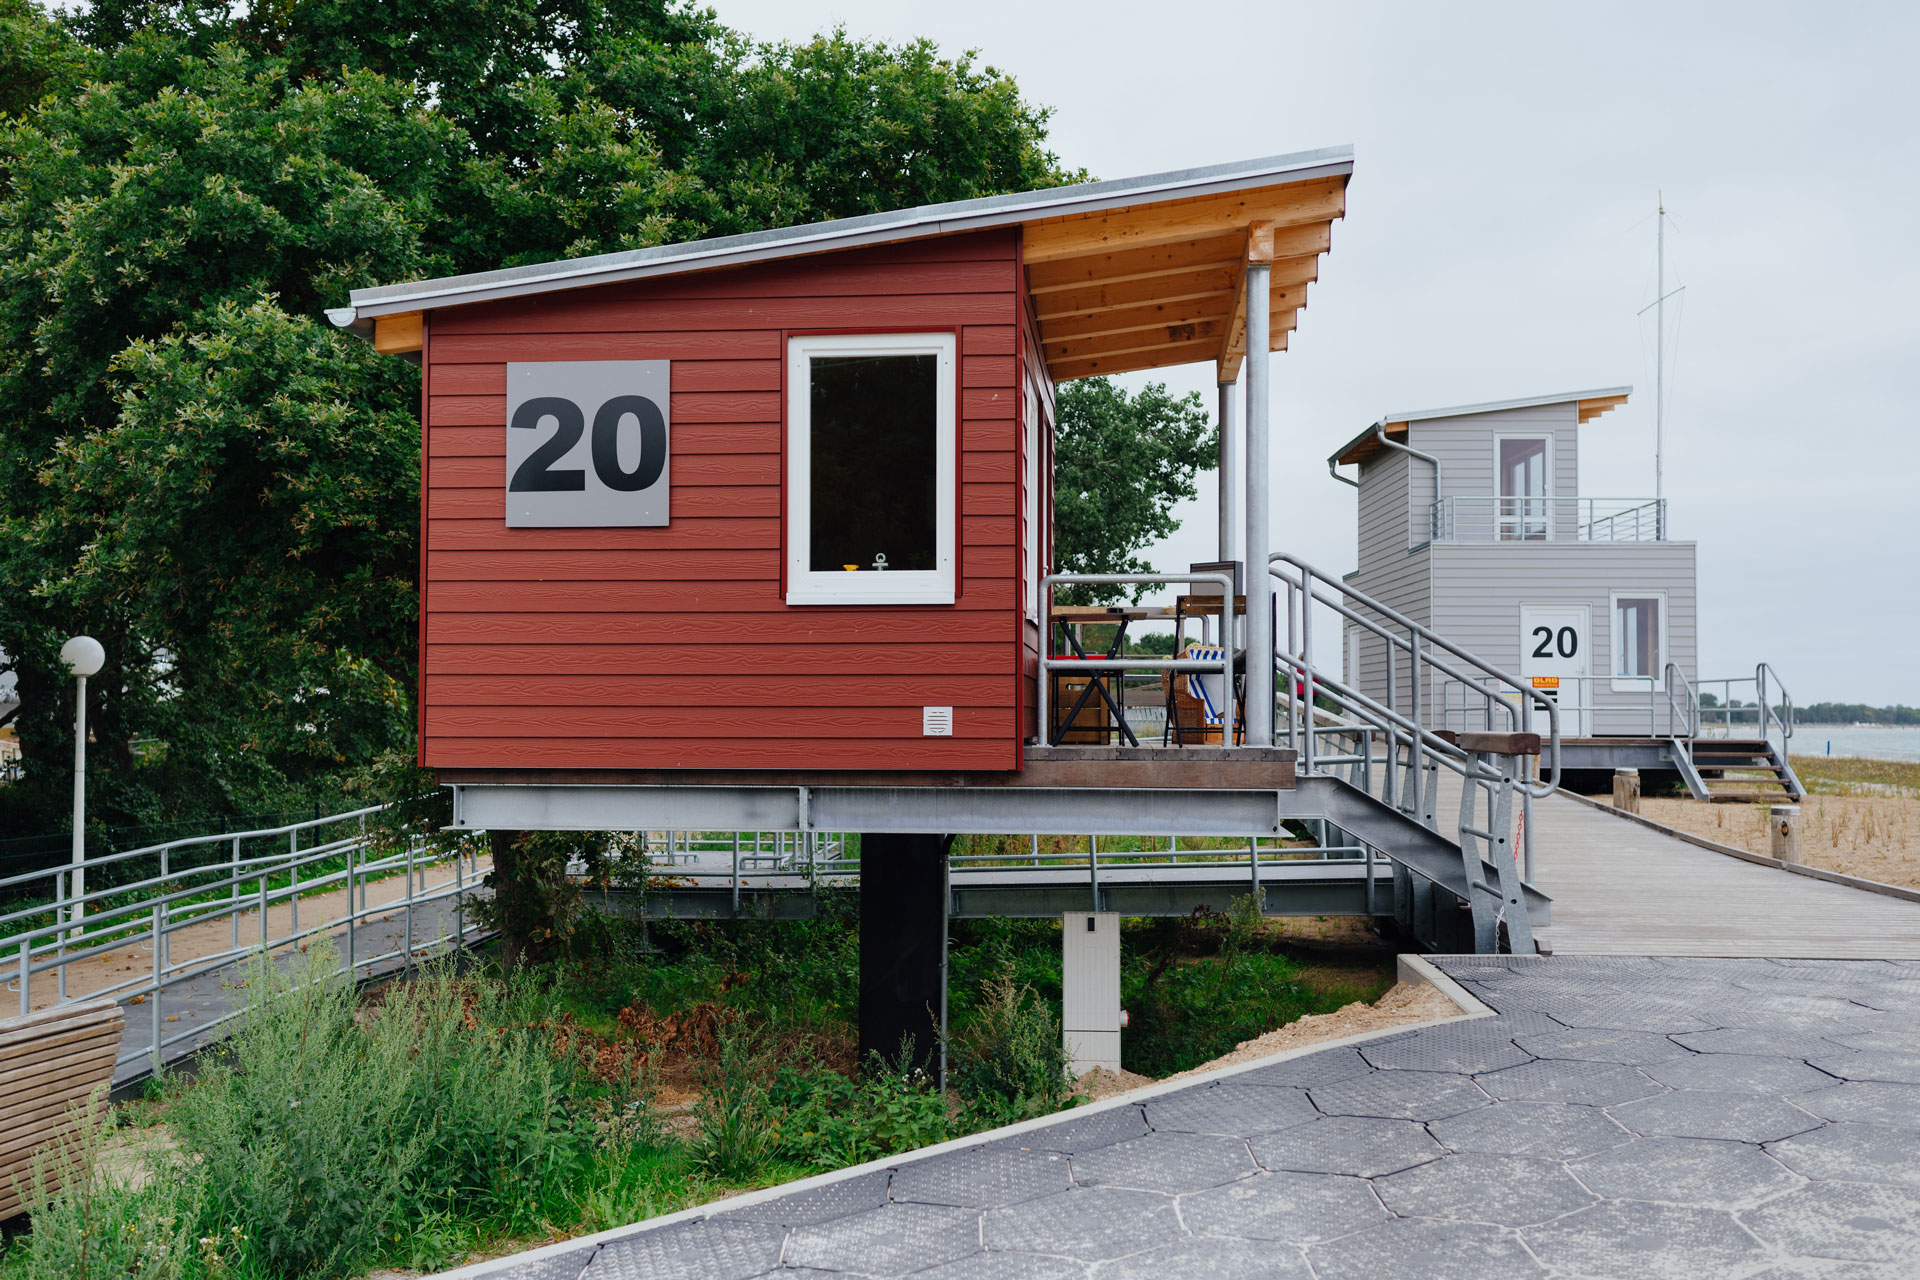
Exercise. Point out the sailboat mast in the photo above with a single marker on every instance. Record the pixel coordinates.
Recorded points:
(1660, 350)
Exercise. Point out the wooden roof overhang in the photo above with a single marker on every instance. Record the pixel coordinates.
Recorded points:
(1591, 404)
(1137, 273)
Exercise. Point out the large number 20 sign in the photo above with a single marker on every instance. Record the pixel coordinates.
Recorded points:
(587, 443)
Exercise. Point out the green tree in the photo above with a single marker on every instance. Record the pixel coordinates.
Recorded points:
(1120, 464)
(200, 472)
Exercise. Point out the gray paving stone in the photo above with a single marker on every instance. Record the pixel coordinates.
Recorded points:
(1085, 1132)
(1170, 1162)
(1645, 1241)
(1421, 1250)
(1347, 1145)
(1774, 1043)
(1230, 1107)
(1300, 1208)
(1399, 1095)
(1697, 1171)
(1891, 1038)
(996, 1266)
(1868, 1101)
(1854, 1153)
(565, 1266)
(1632, 1048)
(1601, 1014)
(1861, 1221)
(1323, 1067)
(1089, 1223)
(1595, 1084)
(1823, 1269)
(820, 1204)
(1870, 1064)
(1550, 1129)
(1464, 1047)
(710, 1249)
(1216, 1258)
(1508, 1191)
(1714, 1113)
(889, 1241)
(983, 1177)
(1741, 1072)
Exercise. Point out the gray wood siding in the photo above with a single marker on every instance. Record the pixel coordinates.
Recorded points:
(1464, 446)
(1477, 592)
(1383, 510)
(1402, 584)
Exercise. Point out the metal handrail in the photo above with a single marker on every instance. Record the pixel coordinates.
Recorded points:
(1546, 518)
(1689, 707)
(1049, 663)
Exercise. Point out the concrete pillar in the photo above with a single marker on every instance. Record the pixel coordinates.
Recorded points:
(903, 948)
(1783, 827)
(1626, 790)
(1259, 584)
(1229, 476)
(1090, 987)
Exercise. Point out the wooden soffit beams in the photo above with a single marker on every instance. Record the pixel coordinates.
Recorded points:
(397, 334)
(1157, 358)
(1055, 239)
(1369, 444)
(1594, 408)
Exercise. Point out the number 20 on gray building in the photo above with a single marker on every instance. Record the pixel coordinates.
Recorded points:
(587, 443)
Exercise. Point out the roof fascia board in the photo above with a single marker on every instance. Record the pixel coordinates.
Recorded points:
(1461, 411)
(846, 233)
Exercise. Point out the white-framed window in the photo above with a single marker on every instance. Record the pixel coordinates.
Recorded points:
(1639, 640)
(871, 494)
(1523, 476)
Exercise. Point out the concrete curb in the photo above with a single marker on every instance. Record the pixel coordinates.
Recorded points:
(1712, 846)
(1412, 969)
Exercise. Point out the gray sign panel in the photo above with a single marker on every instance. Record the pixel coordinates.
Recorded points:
(588, 443)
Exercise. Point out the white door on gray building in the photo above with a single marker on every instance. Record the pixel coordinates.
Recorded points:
(1554, 653)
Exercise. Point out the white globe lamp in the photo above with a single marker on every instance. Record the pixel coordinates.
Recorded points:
(84, 656)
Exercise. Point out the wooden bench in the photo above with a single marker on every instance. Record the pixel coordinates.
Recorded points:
(50, 1062)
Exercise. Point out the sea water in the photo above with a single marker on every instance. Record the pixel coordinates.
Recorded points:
(1868, 741)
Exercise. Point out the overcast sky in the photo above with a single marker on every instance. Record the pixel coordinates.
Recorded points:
(1500, 239)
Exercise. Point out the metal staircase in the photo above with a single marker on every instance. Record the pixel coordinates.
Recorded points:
(1724, 752)
(1374, 766)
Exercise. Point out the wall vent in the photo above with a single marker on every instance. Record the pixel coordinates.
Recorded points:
(936, 722)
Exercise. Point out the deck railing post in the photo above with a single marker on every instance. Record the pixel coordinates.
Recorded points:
(1306, 665)
(26, 975)
(352, 915)
(233, 874)
(153, 1014)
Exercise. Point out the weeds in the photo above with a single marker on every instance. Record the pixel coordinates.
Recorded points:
(828, 1121)
(1009, 1059)
(737, 1129)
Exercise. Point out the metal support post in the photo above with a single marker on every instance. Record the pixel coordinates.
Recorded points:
(233, 873)
(1093, 869)
(1229, 489)
(351, 913)
(153, 1013)
(1259, 649)
(736, 873)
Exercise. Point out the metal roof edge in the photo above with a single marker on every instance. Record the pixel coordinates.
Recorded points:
(1460, 411)
(843, 233)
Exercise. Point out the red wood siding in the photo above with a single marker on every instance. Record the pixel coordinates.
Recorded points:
(1033, 371)
(673, 647)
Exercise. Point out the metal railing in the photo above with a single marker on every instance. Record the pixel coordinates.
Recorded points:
(1724, 720)
(62, 930)
(1107, 667)
(1667, 711)
(1414, 752)
(1485, 518)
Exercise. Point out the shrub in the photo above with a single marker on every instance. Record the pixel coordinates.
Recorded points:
(99, 1227)
(736, 1132)
(1009, 1059)
(828, 1121)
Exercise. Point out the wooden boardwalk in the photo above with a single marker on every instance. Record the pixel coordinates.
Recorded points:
(1621, 889)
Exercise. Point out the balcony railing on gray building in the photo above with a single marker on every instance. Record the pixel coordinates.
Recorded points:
(1481, 518)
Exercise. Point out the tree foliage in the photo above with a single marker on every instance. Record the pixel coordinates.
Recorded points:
(1121, 462)
(195, 468)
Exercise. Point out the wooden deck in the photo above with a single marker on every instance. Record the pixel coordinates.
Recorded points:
(1619, 888)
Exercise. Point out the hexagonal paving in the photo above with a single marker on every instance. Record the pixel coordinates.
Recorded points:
(1714, 1113)
(1348, 1145)
(1297, 1207)
(1853, 1152)
(1722, 1175)
(1595, 1084)
(1231, 1107)
(889, 1241)
(1508, 1191)
(1170, 1162)
(1608, 1121)
(1399, 1095)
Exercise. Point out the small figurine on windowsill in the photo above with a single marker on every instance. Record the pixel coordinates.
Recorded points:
(880, 562)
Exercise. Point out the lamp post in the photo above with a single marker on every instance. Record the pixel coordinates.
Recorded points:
(84, 657)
